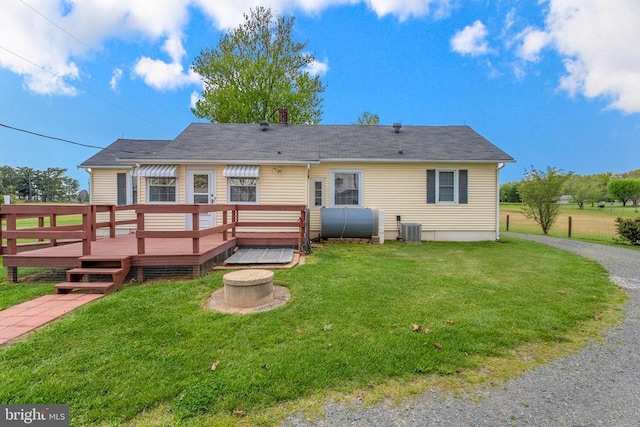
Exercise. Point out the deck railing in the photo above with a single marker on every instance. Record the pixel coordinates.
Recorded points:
(86, 231)
(53, 234)
(230, 221)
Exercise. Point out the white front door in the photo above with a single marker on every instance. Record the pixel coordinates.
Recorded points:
(201, 189)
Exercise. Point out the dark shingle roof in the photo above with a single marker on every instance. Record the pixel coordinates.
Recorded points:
(214, 142)
(123, 149)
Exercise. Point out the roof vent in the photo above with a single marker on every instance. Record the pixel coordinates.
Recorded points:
(264, 125)
(397, 126)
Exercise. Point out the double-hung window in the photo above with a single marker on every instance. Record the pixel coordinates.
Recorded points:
(242, 183)
(161, 189)
(346, 188)
(447, 186)
(243, 190)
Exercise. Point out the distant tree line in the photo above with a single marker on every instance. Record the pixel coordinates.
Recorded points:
(33, 185)
(586, 189)
(541, 190)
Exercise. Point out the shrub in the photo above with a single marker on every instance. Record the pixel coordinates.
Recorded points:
(629, 229)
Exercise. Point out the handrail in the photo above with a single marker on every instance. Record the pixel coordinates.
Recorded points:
(86, 230)
(196, 209)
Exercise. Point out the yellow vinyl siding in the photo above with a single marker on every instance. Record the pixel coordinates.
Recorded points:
(104, 191)
(104, 186)
(401, 189)
(277, 185)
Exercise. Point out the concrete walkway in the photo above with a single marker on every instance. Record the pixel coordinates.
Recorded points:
(23, 318)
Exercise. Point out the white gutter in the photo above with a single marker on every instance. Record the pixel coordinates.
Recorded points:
(500, 166)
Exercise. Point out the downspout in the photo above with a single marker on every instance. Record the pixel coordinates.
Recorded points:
(500, 166)
(88, 170)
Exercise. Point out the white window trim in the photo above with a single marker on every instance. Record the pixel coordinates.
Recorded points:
(229, 178)
(455, 187)
(312, 202)
(148, 192)
(332, 188)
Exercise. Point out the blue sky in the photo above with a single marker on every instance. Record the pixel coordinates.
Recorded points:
(552, 82)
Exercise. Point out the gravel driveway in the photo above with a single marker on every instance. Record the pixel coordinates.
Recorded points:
(597, 386)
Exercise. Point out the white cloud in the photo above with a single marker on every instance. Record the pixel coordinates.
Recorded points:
(50, 42)
(405, 9)
(317, 68)
(115, 79)
(194, 98)
(166, 75)
(471, 40)
(532, 43)
(597, 41)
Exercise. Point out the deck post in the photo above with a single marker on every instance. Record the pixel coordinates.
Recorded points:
(53, 221)
(140, 274)
(234, 220)
(88, 229)
(140, 228)
(302, 222)
(41, 224)
(112, 221)
(196, 228)
(12, 244)
(12, 274)
(224, 222)
(94, 222)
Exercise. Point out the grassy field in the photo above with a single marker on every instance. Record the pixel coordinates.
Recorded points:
(363, 322)
(590, 223)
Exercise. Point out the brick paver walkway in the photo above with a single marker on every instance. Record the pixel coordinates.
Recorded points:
(23, 318)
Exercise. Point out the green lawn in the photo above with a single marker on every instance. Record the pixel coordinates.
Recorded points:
(144, 355)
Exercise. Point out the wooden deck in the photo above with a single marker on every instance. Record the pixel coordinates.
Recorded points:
(173, 252)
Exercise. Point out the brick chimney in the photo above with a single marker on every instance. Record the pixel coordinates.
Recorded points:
(283, 116)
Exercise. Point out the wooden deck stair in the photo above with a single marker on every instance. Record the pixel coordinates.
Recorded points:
(80, 278)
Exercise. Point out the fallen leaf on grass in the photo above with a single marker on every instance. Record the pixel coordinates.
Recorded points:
(438, 346)
(215, 365)
(449, 321)
(415, 327)
(239, 412)
(298, 331)
(426, 330)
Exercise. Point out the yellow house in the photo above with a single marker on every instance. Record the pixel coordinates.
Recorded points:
(412, 182)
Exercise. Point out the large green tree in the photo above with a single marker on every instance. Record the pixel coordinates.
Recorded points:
(255, 69)
(540, 192)
(587, 188)
(626, 190)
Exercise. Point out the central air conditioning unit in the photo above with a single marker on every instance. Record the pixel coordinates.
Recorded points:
(411, 233)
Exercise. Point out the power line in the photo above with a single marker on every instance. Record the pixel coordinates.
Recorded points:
(68, 141)
(80, 87)
(98, 55)
(50, 137)
(59, 27)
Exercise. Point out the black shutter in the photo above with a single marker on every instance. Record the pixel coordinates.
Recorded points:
(431, 185)
(462, 186)
(122, 189)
